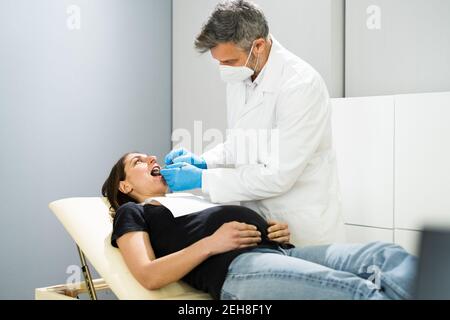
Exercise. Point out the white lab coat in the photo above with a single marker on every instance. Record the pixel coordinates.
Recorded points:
(300, 189)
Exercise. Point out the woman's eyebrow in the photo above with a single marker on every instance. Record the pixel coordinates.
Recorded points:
(132, 159)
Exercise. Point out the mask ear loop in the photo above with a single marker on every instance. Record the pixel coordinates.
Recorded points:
(257, 62)
(257, 58)
(250, 54)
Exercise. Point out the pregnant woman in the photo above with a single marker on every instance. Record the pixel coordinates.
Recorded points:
(232, 252)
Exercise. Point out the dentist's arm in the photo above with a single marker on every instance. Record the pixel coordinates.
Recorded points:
(220, 156)
(153, 273)
(303, 117)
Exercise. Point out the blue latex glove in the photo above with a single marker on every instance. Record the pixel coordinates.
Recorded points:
(182, 176)
(182, 155)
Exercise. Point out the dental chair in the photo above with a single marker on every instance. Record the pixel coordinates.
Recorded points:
(88, 222)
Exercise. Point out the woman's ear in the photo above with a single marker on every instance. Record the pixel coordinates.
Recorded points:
(124, 187)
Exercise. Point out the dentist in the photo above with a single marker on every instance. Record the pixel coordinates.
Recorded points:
(271, 89)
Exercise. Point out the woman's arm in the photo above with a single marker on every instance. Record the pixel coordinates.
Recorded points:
(152, 273)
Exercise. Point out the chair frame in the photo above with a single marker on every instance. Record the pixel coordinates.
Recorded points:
(87, 275)
(72, 291)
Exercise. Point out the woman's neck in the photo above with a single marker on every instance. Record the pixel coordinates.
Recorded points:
(142, 198)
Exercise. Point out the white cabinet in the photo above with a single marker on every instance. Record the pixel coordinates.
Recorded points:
(422, 160)
(358, 234)
(363, 137)
(393, 156)
(409, 240)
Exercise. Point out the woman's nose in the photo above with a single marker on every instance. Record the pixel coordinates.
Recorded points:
(151, 159)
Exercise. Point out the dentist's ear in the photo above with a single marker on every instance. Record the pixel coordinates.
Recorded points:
(124, 187)
(259, 46)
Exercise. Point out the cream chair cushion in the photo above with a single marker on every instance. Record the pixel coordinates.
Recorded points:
(88, 222)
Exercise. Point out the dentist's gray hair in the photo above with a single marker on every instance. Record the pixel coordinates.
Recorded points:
(237, 21)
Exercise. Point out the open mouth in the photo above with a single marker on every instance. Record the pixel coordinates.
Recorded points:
(156, 171)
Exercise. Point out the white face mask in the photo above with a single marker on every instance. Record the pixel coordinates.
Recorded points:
(231, 74)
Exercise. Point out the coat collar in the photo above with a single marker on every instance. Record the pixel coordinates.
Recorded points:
(273, 68)
(270, 83)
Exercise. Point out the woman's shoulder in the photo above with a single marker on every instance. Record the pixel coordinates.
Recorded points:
(133, 208)
(130, 208)
(128, 218)
(130, 205)
(129, 214)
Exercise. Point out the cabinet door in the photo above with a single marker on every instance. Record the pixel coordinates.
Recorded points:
(363, 137)
(358, 234)
(422, 160)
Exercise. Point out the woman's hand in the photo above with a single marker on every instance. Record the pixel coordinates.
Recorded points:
(278, 232)
(233, 235)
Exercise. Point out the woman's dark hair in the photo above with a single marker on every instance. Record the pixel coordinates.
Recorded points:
(110, 188)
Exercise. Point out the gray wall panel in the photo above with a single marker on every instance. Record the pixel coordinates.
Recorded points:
(408, 54)
(71, 102)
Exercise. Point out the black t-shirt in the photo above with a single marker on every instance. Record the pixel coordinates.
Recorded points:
(168, 235)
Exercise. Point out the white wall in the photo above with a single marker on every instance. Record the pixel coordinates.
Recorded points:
(311, 29)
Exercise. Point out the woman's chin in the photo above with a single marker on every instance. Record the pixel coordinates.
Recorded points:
(158, 184)
(162, 182)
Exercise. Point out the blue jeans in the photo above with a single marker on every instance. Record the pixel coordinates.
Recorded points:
(338, 271)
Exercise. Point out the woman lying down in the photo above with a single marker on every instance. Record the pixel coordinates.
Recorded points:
(231, 252)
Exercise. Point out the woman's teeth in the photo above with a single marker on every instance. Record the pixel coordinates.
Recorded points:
(155, 172)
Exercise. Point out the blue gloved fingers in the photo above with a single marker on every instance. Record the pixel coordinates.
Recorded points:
(167, 173)
(170, 174)
(168, 159)
(169, 177)
(177, 165)
(170, 183)
(182, 176)
(183, 158)
(191, 158)
(171, 155)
